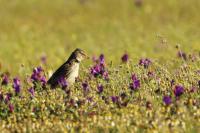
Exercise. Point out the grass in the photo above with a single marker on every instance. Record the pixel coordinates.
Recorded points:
(31, 29)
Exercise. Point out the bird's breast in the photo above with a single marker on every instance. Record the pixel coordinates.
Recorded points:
(73, 74)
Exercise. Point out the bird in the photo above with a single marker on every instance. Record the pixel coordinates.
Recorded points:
(69, 71)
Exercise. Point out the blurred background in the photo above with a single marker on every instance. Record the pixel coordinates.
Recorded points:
(142, 28)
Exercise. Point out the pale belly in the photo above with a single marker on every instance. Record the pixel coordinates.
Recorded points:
(73, 75)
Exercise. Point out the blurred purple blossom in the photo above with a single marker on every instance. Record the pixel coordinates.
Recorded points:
(125, 58)
(179, 90)
(8, 97)
(63, 83)
(85, 86)
(150, 74)
(135, 83)
(99, 68)
(167, 100)
(101, 59)
(115, 99)
(95, 70)
(100, 89)
(16, 85)
(172, 82)
(145, 62)
(38, 75)
(32, 91)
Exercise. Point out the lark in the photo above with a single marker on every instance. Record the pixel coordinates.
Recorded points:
(69, 71)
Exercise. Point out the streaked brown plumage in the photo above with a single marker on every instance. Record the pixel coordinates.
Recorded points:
(69, 70)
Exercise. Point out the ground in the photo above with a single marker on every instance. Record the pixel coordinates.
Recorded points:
(165, 32)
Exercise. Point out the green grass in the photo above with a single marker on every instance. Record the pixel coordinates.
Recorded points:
(33, 28)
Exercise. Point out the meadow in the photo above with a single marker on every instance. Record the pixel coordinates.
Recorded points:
(148, 52)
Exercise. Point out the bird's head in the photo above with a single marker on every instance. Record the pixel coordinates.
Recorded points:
(80, 55)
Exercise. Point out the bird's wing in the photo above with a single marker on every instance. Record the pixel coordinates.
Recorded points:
(62, 71)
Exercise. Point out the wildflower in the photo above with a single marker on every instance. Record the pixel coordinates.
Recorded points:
(115, 99)
(167, 100)
(8, 97)
(32, 91)
(172, 82)
(105, 75)
(101, 59)
(85, 86)
(95, 71)
(16, 85)
(99, 68)
(135, 83)
(150, 74)
(5, 80)
(125, 58)
(43, 80)
(178, 91)
(145, 62)
(100, 88)
(63, 83)
(182, 55)
(11, 107)
(38, 76)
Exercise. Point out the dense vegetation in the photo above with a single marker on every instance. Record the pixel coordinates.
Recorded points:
(144, 74)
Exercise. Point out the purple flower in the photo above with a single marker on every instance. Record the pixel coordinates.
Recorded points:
(38, 76)
(115, 99)
(5, 80)
(133, 77)
(95, 70)
(105, 75)
(16, 85)
(125, 58)
(43, 80)
(182, 55)
(167, 100)
(135, 83)
(172, 82)
(85, 86)
(150, 74)
(32, 91)
(102, 59)
(145, 62)
(8, 97)
(99, 68)
(178, 91)
(100, 88)
(63, 83)
(11, 107)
